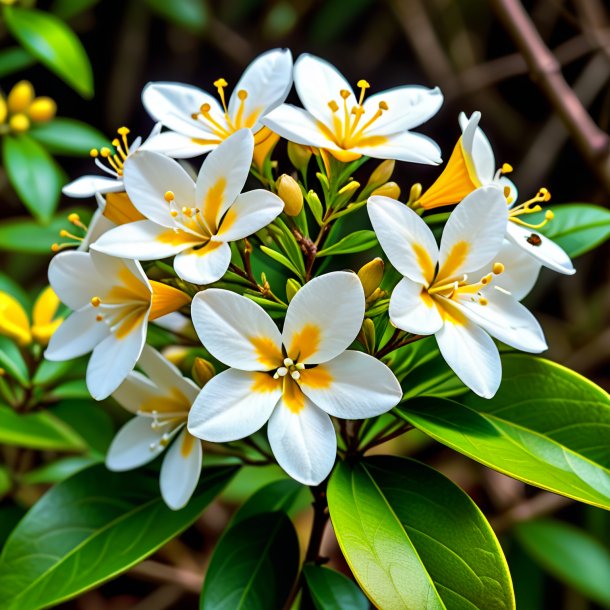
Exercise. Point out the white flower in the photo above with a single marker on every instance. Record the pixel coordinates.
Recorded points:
(198, 123)
(87, 186)
(161, 401)
(113, 301)
(440, 295)
(196, 222)
(347, 125)
(294, 379)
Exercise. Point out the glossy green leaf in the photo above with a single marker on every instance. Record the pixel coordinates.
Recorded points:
(34, 175)
(59, 470)
(547, 426)
(578, 227)
(189, 14)
(63, 136)
(413, 539)
(571, 555)
(89, 419)
(357, 241)
(90, 528)
(280, 258)
(10, 514)
(254, 565)
(12, 361)
(14, 59)
(54, 44)
(330, 590)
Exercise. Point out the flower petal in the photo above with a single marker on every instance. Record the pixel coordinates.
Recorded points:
(405, 146)
(14, 320)
(472, 355)
(98, 225)
(136, 392)
(45, 307)
(179, 146)
(408, 107)
(304, 443)
(267, 81)
(74, 278)
(405, 238)
(413, 310)
(251, 212)
(477, 147)
(204, 265)
(144, 240)
(324, 317)
(233, 404)
(87, 186)
(236, 331)
(223, 175)
(474, 233)
(180, 470)
(547, 252)
(134, 445)
(148, 176)
(352, 386)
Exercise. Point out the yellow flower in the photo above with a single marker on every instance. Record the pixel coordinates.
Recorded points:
(21, 108)
(15, 323)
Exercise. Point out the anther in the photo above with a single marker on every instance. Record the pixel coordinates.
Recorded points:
(507, 168)
(122, 131)
(205, 108)
(94, 152)
(96, 301)
(242, 94)
(295, 375)
(282, 371)
(363, 84)
(74, 218)
(169, 196)
(299, 366)
(333, 105)
(220, 82)
(549, 215)
(105, 152)
(99, 317)
(483, 301)
(498, 268)
(485, 280)
(344, 93)
(383, 105)
(288, 362)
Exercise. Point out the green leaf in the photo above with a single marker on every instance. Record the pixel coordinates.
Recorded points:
(59, 470)
(39, 430)
(13, 60)
(330, 590)
(54, 44)
(189, 14)
(90, 528)
(89, 420)
(23, 234)
(12, 361)
(357, 241)
(66, 9)
(280, 258)
(63, 136)
(570, 555)
(546, 426)
(577, 227)
(34, 175)
(254, 565)
(413, 539)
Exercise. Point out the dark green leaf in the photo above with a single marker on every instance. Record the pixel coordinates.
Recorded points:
(63, 136)
(413, 539)
(354, 242)
(254, 565)
(10, 514)
(189, 14)
(332, 20)
(66, 9)
(89, 420)
(34, 175)
(547, 426)
(330, 590)
(54, 44)
(12, 361)
(13, 60)
(90, 528)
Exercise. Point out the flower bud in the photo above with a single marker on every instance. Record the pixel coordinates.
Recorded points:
(176, 354)
(299, 156)
(382, 173)
(292, 287)
(371, 275)
(389, 189)
(42, 109)
(367, 335)
(263, 148)
(290, 193)
(3, 110)
(20, 97)
(202, 371)
(415, 192)
(19, 123)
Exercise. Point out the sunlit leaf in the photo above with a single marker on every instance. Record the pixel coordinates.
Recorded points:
(68, 137)
(354, 242)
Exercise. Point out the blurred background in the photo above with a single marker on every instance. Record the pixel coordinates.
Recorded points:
(479, 56)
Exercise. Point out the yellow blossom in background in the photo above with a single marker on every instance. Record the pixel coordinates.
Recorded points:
(22, 108)
(15, 322)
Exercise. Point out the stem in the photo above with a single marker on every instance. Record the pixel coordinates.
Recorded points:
(320, 519)
(396, 344)
(380, 440)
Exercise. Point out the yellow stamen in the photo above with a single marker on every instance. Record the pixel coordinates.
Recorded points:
(96, 301)
(507, 168)
(169, 196)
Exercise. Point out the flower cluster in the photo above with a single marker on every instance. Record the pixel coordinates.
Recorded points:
(326, 351)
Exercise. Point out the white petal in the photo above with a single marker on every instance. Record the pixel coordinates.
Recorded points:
(180, 470)
(405, 238)
(324, 317)
(251, 212)
(144, 240)
(87, 186)
(179, 146)
(408, 107)
(474, 233)
(223, 175)
(405, 146)
(74, 278)
(111, 270)
(134, 445)
(204, 265)
(77, 335)
(352, 386)
(233, 404)
(507, 320)
(548, 253)
(303, 443)
(112, 360)
(98, 225)
(472, 355)
(236, 331)
(318, 82)
(135, 392)
(409, 311)
(267, 80)
(148, 176)
(477, 147)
